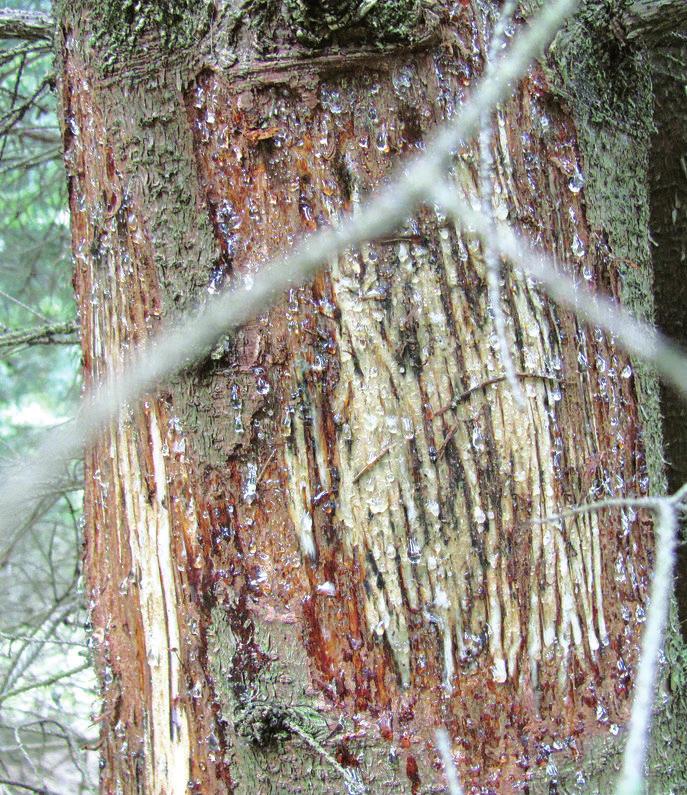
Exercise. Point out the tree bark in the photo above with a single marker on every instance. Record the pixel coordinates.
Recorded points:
(668, 182)
(321, 543)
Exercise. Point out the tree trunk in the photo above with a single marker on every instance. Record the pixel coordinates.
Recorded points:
(316, 546)
(669, 232)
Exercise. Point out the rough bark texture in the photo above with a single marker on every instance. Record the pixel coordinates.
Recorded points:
(316, 546)
(668, 184)
(669, 232)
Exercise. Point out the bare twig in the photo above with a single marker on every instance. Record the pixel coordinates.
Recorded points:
(15, 94)
(497, 379)
(21, 662)
(44, 682)
(666, 512)
(25, 639)
(264, 467)
(8, 782)
(649, 503)
(23, 305)
(25, 163)
(636, 337)
(370, 464)
(41, 135)
(351, 777)
(634, 758)
(17, 112)
(450, 434)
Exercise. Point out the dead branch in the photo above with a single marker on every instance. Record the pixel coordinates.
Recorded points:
(53, 333)
(27, 25)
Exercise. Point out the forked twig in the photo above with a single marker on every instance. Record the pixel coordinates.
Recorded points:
(666, 512)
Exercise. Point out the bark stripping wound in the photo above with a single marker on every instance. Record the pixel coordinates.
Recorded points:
(333, 513)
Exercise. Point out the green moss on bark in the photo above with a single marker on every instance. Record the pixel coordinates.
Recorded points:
(605, 77)
(120, 25)
(277, 730)
(383, 21)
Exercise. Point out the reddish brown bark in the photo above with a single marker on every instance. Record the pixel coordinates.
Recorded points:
(304, 517)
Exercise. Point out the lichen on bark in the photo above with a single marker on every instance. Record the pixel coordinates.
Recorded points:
(380, 21)
(120, 25)
(605, 78)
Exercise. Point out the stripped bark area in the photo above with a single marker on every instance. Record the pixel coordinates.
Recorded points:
(330, 523)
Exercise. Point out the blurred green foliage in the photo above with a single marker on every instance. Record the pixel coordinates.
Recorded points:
(35, 266)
